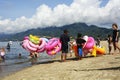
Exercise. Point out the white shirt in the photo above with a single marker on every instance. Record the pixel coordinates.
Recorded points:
(2, 53)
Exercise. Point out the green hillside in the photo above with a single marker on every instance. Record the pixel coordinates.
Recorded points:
(53, 31)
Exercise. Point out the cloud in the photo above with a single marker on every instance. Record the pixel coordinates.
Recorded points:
(86, 11)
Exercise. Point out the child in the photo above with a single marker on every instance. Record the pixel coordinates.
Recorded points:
(110, 43)
(34, 56)
(2, 54)
(20, 55)
(80, 42)
(70, 45)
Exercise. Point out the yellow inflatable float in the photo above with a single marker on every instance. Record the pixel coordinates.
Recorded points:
(94, 51)
(34, 39)
(98, 51)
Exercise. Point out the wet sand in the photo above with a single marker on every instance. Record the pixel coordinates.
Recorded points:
(106, 67)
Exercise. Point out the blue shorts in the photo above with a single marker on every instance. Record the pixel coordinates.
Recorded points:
(80, 51)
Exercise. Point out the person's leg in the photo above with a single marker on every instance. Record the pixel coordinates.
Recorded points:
(110, 48)
(71, 52)
(62, 56)
(116, 45)
(65, 56)
(99, 43)
(3, 58)
(80, 53)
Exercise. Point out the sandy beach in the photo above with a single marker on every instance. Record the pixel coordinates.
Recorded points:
(106, 67)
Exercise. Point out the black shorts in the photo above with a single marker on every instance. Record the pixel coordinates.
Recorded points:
(3, 57)
(64, 50)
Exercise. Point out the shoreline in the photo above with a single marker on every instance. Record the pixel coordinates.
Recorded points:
(105, 67)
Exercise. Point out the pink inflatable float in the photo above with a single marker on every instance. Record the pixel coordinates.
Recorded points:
(53, 46)
(31, 47)
(42, 45)
(89, 44)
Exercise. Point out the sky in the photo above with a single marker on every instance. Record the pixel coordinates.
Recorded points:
(21, 15)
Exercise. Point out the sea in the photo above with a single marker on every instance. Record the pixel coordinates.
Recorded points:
(12, 61)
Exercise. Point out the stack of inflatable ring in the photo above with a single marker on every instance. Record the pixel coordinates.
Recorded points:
(34, 44)
(53, 46)
(34, 39)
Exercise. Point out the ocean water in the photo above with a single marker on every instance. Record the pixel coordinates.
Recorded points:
(12, 61)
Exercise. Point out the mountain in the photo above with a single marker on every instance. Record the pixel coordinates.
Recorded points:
(54, 31)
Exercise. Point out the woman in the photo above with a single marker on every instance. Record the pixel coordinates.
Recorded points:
(115, 37)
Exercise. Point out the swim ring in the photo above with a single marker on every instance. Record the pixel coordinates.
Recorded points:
(90, 43)
(32, 47)
(53, 46)
(34, 39)
(42, 45)
(52, 43)
(54, 50)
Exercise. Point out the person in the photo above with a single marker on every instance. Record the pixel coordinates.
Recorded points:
(80, 42)
(64, 38)
(20, 55)
(115, 37)
(8, 46)
(34, 56)
(70, 45)
(98, 41)
(2, 53)
(110, 43)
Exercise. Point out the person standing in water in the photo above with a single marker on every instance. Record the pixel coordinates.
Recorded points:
(8, 46)
(2, 53)
(64, 38)
(115, 37)
(34, 56)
